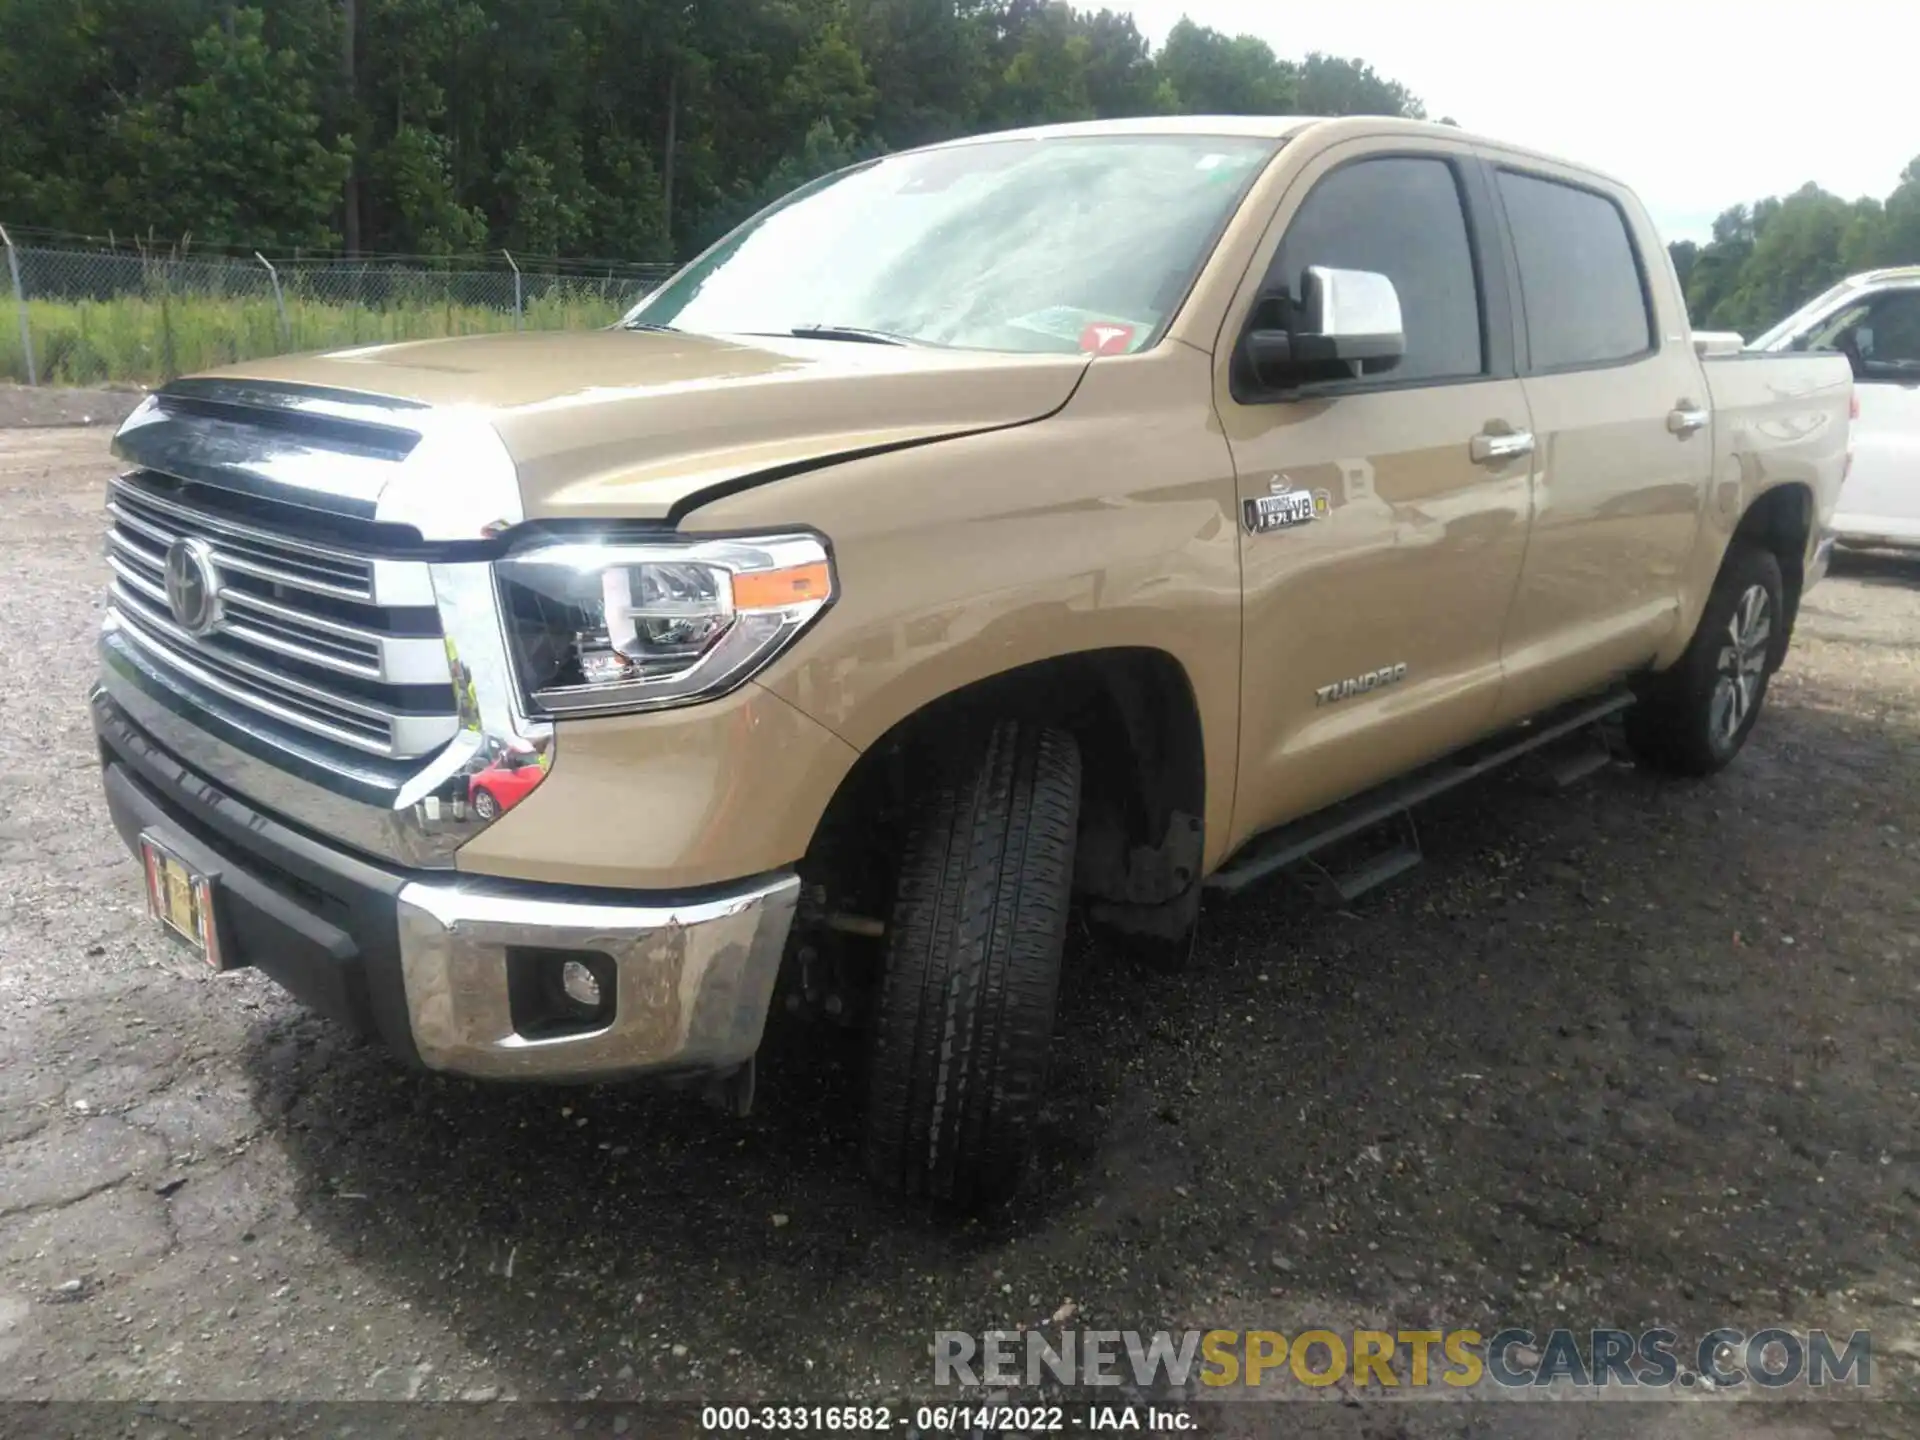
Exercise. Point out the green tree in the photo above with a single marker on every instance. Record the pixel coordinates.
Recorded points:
(931, 62)
(1896, 240)
(1045, 78)
(543, 214)
(1796, 254)
(1120, 75)
(1216, 74)
(413, 184)
(828, 82)
(238, 159)
(1329, 85)
(1766, 260)
(1685, 255)
(636, 129)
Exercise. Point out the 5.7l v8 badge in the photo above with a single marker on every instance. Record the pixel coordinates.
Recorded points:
(1285, 508)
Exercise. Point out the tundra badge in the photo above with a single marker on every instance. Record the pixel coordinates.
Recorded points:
(1360, 684)
(1285, 507)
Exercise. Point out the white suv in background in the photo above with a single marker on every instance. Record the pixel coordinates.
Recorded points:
(1874, 320)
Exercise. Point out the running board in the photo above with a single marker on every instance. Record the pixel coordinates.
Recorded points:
(1404, 854)
(1292, 843)
(1577, 766)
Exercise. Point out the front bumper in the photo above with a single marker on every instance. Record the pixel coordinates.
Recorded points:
(429, 964)
(1878, 532)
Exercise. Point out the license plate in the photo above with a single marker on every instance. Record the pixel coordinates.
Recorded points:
(181, 900)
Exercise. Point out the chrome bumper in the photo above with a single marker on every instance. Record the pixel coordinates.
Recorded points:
(693, 980)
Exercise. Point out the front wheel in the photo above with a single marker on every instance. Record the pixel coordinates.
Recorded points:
(958, 1049)
(1695, 718)
(485, 806)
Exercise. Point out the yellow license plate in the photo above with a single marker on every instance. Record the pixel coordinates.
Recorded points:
(181, 900)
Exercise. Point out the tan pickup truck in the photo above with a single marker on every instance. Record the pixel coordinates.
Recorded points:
(1089, 514)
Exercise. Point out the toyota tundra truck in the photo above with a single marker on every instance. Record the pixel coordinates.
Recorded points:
(1087, 516)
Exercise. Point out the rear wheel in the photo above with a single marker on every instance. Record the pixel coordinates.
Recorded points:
(965, 1013)
(1695, 718)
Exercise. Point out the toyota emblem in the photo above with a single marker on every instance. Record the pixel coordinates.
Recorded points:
(193, 586)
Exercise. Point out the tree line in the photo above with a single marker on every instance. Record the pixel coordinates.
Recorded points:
(1766, 260)
(637, 130)
(622, 129)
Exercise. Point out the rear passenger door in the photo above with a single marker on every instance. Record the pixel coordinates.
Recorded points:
(1401, 578)
(1623, 440)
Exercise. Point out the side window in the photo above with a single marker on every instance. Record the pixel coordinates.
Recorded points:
(1886, 344)
(1402, 218)
(1579, 280)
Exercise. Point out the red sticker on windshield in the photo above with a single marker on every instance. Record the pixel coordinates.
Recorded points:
(1106, 337)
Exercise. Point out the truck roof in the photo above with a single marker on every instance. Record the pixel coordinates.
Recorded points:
(1894, 275)
(1271, 127)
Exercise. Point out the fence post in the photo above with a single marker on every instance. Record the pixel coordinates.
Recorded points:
(279, 300)
(20, 300)
(516, 288)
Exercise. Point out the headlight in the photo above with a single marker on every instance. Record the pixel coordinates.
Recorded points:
(605, 626)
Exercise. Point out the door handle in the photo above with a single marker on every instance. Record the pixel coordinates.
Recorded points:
(1685, 418)
(1491, 449)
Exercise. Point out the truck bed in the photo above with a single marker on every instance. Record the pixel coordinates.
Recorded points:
(1781, 418)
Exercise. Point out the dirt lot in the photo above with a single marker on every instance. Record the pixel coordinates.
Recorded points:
(1639, 1053)
(24, 405)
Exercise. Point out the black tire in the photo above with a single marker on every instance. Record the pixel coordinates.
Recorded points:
(1685, 722)
(959, 1042)
(484, 804)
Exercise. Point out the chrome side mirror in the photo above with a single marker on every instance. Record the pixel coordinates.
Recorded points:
(1343, 317)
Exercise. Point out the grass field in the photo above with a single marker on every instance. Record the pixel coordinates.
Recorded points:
(149, 339)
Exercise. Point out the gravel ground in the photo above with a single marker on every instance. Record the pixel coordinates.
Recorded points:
(1636, 1053)
(22, 405)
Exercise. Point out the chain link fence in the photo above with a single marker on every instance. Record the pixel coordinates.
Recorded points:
(90, 317)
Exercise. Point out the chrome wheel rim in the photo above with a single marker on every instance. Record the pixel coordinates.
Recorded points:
(485, 805)
(1742, 665)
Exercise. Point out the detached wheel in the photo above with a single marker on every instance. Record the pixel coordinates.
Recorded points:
(1695, 718)
(958, 1047)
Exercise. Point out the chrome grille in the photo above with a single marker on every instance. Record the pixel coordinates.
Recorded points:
(315, 637)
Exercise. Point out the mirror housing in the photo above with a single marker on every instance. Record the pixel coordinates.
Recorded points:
(1345, 325)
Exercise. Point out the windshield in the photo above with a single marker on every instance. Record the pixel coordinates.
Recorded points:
(1061, 244)
(1786, 331)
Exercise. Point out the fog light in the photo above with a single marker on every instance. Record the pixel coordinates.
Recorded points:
(581, 985)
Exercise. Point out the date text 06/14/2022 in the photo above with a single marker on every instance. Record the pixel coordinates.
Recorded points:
(942, 1419)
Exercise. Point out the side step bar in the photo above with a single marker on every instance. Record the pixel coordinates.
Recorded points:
(1390, 864)
(1292, 843)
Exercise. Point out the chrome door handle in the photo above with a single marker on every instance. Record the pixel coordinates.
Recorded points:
(1496, 449)
(1684, 419)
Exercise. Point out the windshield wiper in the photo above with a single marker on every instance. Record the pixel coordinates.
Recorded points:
(645, 325)
(846, 332)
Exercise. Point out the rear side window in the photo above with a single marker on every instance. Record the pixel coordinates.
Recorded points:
(1579, 281)
(1400, 217)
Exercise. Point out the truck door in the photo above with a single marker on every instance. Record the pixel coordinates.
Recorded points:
(1384, 516)
(1623, 435)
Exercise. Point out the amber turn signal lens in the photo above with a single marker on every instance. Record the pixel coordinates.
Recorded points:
(773, 589)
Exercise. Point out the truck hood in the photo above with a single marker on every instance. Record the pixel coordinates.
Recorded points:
(638, 424)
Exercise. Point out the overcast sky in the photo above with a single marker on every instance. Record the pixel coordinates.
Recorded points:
(1698, 104)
